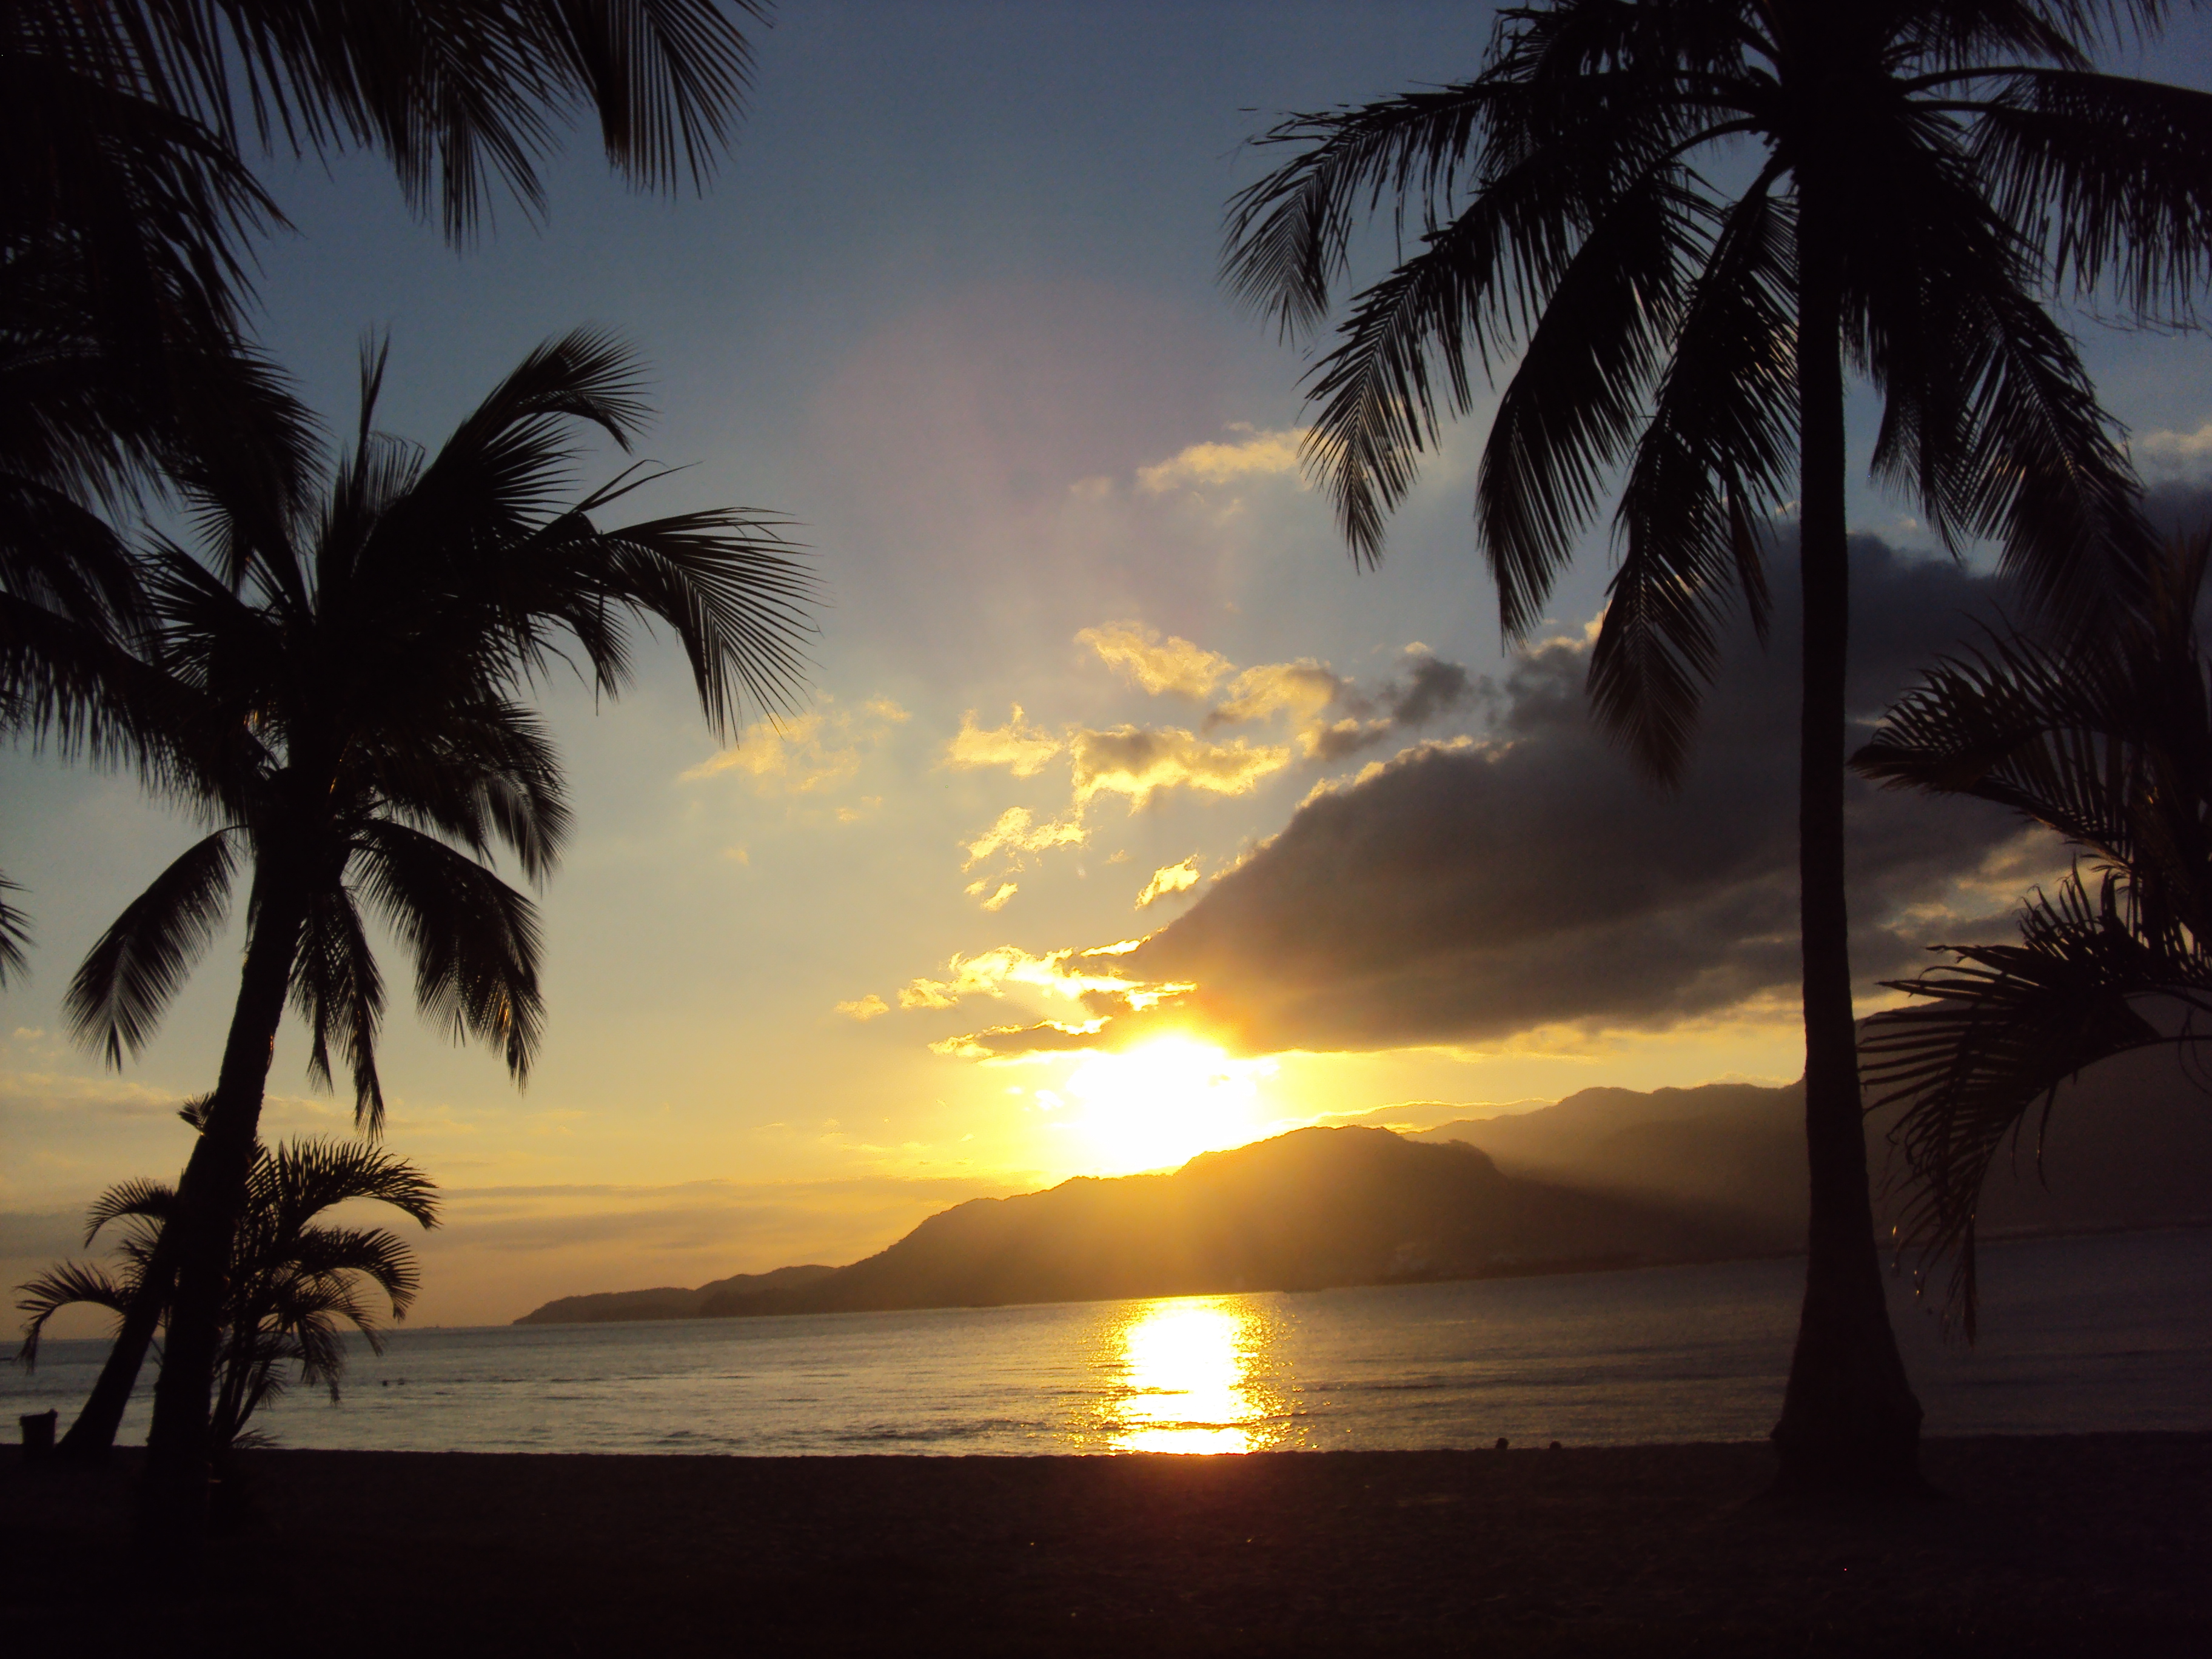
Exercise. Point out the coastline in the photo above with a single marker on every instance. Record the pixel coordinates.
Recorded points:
(2040, 1545)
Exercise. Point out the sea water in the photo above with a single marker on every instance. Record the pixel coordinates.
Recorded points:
(2078, 1335)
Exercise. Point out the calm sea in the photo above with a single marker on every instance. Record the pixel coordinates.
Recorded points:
(2109, 1333)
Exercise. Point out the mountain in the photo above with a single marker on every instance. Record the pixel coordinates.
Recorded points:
(1313, 1208)
(2129, 1144)
(670, 1302)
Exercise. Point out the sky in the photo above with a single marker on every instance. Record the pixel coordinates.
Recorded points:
(1123, 819)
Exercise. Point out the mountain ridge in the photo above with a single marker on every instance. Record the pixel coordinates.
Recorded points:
(1312, 1209)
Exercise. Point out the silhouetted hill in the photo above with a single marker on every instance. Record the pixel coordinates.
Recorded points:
(669, 1302)
(1314, 1208)
(2130, 1146)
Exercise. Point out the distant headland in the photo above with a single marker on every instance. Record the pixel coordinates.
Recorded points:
(1604, 1178)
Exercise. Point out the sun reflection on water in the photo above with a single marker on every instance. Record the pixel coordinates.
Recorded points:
(1191, 1380)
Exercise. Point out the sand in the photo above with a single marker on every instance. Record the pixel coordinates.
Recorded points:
(2074, 1545)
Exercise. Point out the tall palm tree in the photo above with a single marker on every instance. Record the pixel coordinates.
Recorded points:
(291, 1280)
(128, 211)
(1688, 217)
(2110, 745)
(345, 687)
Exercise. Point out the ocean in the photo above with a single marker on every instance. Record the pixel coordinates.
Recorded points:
(2078, 1335)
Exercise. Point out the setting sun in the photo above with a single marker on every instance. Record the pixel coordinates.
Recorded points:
(1163, 1102)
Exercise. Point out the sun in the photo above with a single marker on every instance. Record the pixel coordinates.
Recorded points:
(1163, 1102)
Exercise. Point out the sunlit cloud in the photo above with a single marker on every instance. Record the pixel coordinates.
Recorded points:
(1025, 751)
(1172, 878)
(864, 1009)
(1252, 455)
(807, 755)
(1160, 666)
(993, 972)
(997, 900)
(1018, 831)
(1141, 762)
(1302, 689)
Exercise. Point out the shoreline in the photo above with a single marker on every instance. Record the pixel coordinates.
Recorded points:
(2040, 1545)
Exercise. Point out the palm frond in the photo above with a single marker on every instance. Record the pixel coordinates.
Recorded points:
(118, 997)
(1990, 1042)
(475, 939)
(154, 1202)
(1570, 413)
(14, 934)
(2112, 176)
(336, 989)
(66, 1284)
(1711, 463)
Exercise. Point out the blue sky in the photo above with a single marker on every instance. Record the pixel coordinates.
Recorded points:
(950, 305)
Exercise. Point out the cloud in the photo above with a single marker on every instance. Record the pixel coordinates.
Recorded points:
(813, 753)
(1141, 762)
(1303, 689)
(997, 900)
(1333, 717)
(1172, 878)
(1025, 751)
(1058, 973)
(864, 1009)
(1018, 831)
(1252, 455)
(1160, 666)
(1471, 892)
(1432, 688)
(2167, 455)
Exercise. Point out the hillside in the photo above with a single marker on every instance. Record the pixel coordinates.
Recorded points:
(2130, 1145)
(1314, 1208)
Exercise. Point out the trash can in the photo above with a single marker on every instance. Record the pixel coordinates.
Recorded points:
(38, 1433)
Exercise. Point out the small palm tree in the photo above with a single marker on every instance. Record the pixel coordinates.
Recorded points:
(1687, 218)
(293, 1281)
(2110, 745)
(344, 688)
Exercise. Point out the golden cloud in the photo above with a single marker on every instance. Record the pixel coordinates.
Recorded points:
(1139, 762)
(1303, 688)
(1158, 665)
(864, 1008)
(1254, 454)
(1022, 749)
(992, 972)
(1172, 878)
(997, 900)
(1018, 831)
(815, 752)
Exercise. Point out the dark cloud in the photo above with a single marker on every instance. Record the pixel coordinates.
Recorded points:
(1469, 892)
(1432, 687)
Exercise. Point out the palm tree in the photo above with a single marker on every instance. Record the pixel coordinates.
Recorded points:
(1687, 217)
(344, 702)
(291, 1280)
(2110, 745)
(127, 215)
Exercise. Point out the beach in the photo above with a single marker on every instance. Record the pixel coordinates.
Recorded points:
(2033, 1544)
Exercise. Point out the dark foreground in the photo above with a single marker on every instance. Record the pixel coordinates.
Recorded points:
(2078, 1545)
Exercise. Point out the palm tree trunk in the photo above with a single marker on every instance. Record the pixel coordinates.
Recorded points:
(1848, 1418)
(92, 1437)
(209, 1199)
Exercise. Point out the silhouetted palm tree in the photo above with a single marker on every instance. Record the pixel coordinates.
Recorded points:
(127, 212)
(1899, 182)
(291, 1281)
(2110, 745)
(345, 701)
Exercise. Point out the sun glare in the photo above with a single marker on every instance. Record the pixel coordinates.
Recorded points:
(1188, 1379)
(1164, 1102)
